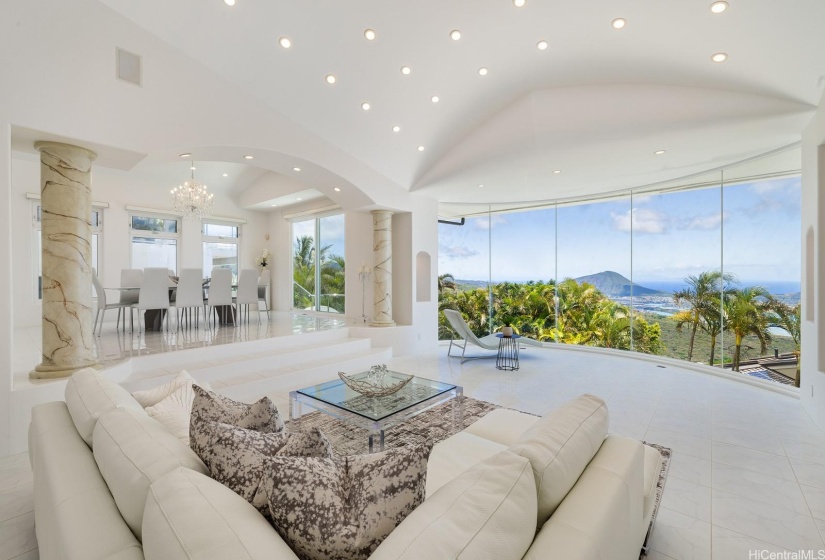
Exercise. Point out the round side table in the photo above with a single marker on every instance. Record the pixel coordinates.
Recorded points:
(507, 358)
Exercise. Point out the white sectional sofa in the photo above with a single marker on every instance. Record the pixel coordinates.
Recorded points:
(112, 483)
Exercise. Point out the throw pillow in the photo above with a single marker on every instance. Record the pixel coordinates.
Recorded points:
(153, 396)
(328, 509)
(174, 411)
(261, 416)
(238, 458)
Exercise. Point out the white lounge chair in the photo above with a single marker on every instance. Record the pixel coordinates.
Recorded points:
(489, 342)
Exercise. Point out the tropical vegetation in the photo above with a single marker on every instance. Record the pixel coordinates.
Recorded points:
(712, 306)
(303, 276)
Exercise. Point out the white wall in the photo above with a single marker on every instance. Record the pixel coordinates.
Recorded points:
(118, 188)
(812, 389)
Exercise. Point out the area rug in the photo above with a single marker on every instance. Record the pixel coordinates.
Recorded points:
(436, 424)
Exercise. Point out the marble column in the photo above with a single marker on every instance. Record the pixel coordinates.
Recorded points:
(382, 268)
(66, 202)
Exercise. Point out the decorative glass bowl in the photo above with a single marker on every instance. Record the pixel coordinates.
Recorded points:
(376, 382)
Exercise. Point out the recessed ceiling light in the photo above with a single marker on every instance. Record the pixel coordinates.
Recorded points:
(482, 71)
(185, 155)
(226, 174)
(541, 45)
(434, 99)
(229, 2)
(192, 168)
(285, 42)
(455, 34)
(248, 157)
(369, 34)
(420, 148)
(405, 70)
(296, 168)
(481, 186)
(557, 171)
(330, 79)
(719, 57)
(365, 106)
(519, 3)
(659, 152)
(619, 23)
(337, 189)
(299, 198)
(274, 205)
(396, 128)
(718, 7)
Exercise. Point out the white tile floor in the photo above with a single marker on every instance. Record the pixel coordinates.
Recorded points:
(748, 466)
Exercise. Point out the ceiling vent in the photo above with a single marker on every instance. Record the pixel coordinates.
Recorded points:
(129, 67)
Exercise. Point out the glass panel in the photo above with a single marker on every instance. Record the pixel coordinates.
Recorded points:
(464, 274)
(763, 251)
(154, 252)
(677, 256)
(220, 230)
(594, 263)
(158, 225)
(303, 264)
(95, 253)
(331, 254)
(523, 259)
(220, 255)
(38, 256)
(95, 221)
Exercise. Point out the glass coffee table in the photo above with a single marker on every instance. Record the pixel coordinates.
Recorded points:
(376, 414)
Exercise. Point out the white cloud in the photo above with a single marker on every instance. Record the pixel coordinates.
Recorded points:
(453, 252)
(704, 222)
(489, 223)
(645, 220)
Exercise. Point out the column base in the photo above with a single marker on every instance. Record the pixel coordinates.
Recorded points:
(382, 323)
(56, 372)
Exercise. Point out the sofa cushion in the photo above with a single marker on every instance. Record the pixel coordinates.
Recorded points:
(132, 451)
(189, 516)
(208, 406)
(89, 395)
(456, 454)
(327, 509)
(237, 457)
(486, 513)
(560, 445)
(75, 516)
(502, 425)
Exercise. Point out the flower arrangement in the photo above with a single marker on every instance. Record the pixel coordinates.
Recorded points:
(263, 260)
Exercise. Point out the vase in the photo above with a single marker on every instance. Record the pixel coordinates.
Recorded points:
(507, 331)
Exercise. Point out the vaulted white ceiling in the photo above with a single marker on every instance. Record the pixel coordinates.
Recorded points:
(595, 105)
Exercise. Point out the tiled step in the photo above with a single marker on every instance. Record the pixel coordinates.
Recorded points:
(145, 366)
(278, 384)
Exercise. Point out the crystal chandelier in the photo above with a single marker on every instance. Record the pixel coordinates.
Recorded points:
(191, 200)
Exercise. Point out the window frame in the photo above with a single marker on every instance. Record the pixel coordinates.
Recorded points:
(177, 236)
(222, 239)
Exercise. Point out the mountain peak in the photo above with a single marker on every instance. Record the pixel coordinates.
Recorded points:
(613, 284)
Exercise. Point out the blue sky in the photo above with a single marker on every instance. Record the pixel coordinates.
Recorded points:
(674, 235)
(332, 232)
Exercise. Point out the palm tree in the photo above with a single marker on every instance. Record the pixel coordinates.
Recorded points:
(700, 292)
(446, 282)
(788, 318)
(747, 312)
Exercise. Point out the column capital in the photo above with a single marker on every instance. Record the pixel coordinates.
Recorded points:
(65, 151)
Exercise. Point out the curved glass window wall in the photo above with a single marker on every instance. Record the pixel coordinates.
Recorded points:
(705, 269)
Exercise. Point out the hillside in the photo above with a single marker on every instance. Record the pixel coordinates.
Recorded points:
(612, 284)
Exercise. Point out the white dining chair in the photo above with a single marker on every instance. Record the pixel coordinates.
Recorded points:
(263, 286)
(189, 295)
(104, 305)
(130, 278)
(247, 292)
(220, 292)
(154, 293)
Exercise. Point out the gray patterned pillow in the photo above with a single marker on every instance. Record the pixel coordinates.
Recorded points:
(261, 416)
(329, 509)
(238, 458)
